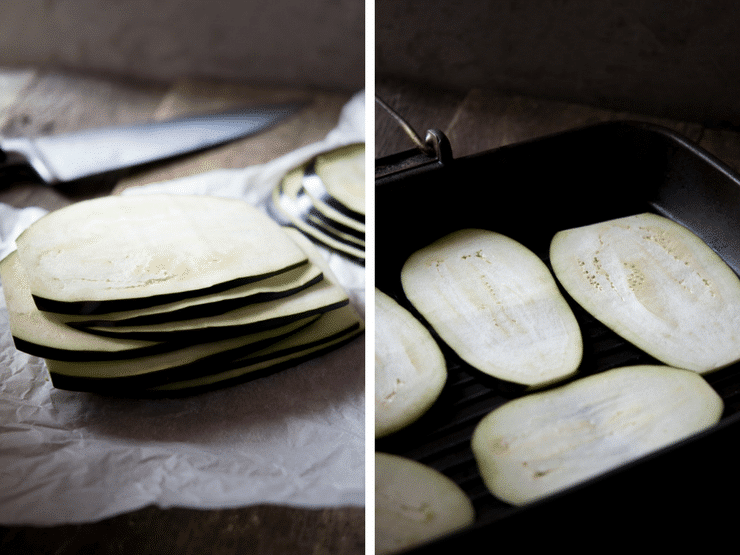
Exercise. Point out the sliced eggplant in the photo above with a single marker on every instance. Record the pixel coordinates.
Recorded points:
(186, 337)
(307, 181)
(317, 299)
(410, 370)
(545, 442)
(334, 329)
(415, 504)
(342, 180)
(129, 252)
(295, 197)
(46, 335)
(191, 362)
(495, 303)
(325, 199)
(656, 284)
(286, 209)
(269, 289)
(41, 334)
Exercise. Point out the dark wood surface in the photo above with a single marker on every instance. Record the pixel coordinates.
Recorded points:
(33, 103)
(153, 531)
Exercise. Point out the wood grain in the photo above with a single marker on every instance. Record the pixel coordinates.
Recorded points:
(187, 97)
(53, 103)
(423, 108)
(38, 103)
(258, 530)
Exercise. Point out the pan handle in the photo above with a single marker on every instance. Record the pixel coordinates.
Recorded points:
(434, 149)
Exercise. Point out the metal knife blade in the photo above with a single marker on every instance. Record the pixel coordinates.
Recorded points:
(72, 156)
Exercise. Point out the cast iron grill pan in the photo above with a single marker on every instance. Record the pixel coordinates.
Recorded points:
(529, 191)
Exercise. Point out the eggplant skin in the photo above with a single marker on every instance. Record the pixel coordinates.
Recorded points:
(657, 285)
(220, 369)
(496, 304)
(545, 442)
(410, 369)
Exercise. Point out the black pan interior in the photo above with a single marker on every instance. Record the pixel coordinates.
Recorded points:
(529, 191)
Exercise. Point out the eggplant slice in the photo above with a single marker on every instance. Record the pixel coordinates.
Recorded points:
(43, 335)
(410, 369)
(292, 211)
(295, 200)
(317, 299)
(327, 211)
(192, 361)
(332, 330)
(656, 284)
(415, 504)
(495, 303)
(129, 252)
(341, 180)
(277, 287)
(542, 443)
(325, 199)
(335, 181)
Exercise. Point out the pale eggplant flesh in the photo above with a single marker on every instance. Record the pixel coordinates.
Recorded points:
(496, 304)
(410, 369)
(270, 289)
(318, 298)
(415, 504)
(546, 442)
(129, 252)
(656, 284)
(325, 199)
(340, 183)
(41, 334)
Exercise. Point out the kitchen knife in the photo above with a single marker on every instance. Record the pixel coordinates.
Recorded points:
(69, 157)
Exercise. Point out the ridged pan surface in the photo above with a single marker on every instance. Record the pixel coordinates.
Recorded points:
(529, 191)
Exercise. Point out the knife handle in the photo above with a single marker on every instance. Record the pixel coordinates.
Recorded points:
(16, 163)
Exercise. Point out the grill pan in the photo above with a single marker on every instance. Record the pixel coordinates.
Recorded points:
(528, 191)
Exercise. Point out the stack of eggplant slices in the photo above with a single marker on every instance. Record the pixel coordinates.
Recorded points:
(161, 294)
(325, 199)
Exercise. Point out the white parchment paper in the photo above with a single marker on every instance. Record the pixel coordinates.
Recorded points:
(295, 438)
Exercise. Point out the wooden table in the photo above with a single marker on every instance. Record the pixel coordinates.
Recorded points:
(34, 102)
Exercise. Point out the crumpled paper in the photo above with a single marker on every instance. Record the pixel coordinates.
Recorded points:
(296, 437)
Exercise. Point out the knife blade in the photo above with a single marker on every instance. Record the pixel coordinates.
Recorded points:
(68, 157)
